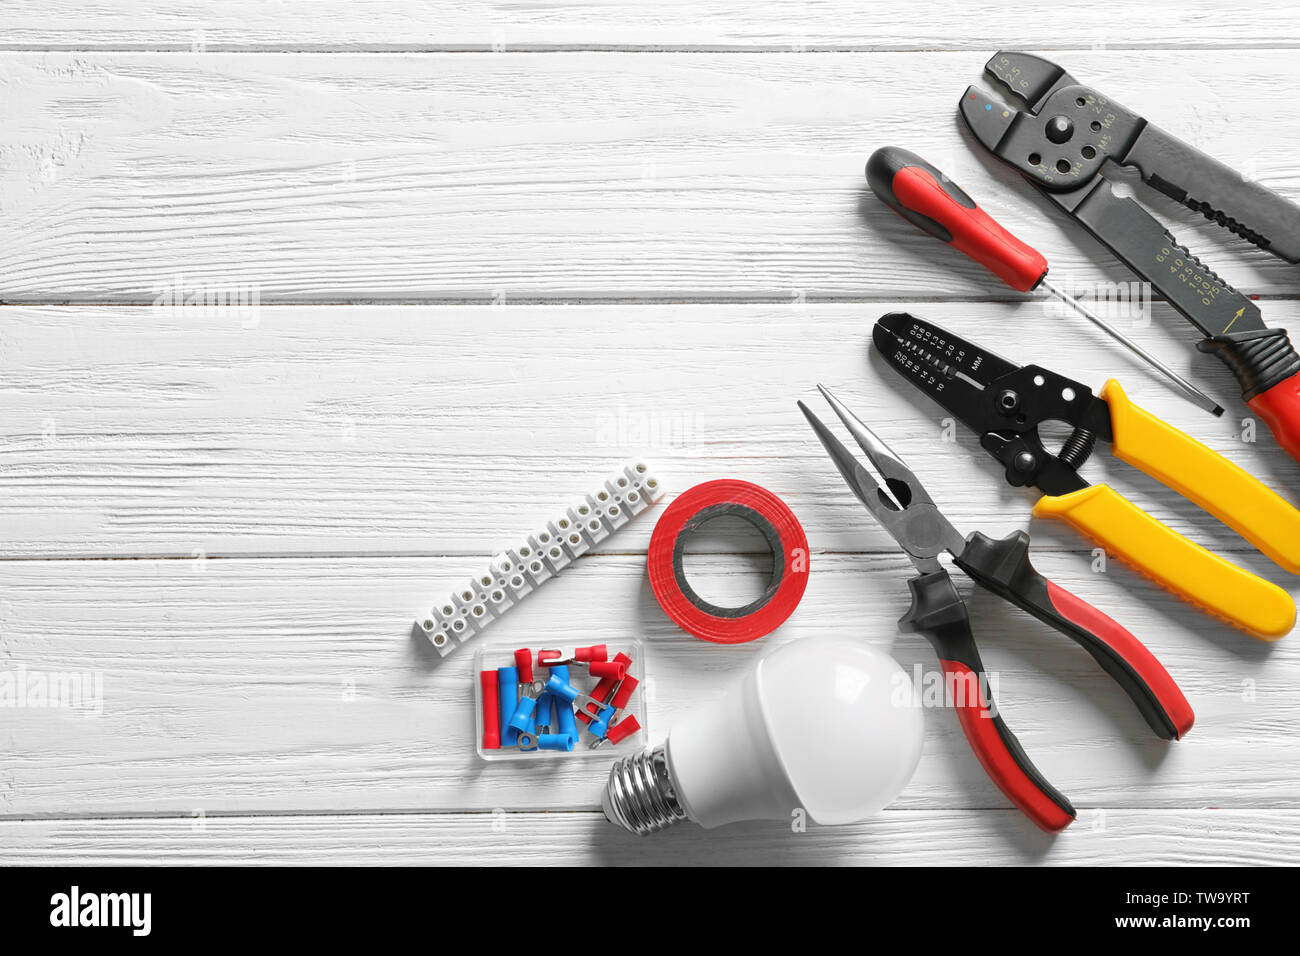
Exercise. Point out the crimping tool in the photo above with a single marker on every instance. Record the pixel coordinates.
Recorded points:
(901, 504)
(1005, 403)
(1069, 143)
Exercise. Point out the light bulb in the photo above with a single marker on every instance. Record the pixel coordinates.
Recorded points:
(826, 725)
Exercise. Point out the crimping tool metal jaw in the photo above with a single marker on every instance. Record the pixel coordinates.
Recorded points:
(1064, 138)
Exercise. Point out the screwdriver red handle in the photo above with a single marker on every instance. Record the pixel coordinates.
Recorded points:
(927, 199)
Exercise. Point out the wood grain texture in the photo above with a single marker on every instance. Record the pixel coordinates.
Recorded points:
(228, 516)
(489, 24)
(294, 685)
(457, 429)
(896, 837)
(319, 178)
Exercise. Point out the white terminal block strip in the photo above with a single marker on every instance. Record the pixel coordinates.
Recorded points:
(518, 571)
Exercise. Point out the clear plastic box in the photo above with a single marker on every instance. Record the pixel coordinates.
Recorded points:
(490, 656)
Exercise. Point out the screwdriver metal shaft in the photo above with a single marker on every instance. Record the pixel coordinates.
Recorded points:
(1190, 390)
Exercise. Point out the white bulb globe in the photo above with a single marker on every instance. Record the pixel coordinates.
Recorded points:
(826, 725)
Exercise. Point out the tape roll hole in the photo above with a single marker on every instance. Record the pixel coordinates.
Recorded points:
(728, 562)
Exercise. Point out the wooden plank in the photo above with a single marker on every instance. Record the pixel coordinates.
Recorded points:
(488, 24)
(294, 686)
(896, 837)
(457, 429)
(319, 178)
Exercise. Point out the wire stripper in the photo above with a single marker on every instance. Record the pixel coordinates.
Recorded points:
(1005, 403)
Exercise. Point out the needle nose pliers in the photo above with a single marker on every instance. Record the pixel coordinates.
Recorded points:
(901, 504)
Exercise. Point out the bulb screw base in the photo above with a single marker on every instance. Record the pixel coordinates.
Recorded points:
(639, 795)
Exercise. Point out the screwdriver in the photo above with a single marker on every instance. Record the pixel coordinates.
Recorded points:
(927, 199)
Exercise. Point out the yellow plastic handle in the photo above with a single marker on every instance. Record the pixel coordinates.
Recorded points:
(1176, 459)
(1182, 567)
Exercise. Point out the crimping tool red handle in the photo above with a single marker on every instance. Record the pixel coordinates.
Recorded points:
(1267, 367)
(1280, 409)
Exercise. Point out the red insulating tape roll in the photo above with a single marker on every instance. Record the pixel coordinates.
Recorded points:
(772, 518)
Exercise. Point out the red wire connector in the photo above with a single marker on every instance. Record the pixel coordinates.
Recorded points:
(599, 725)
(624, 693)
(491, 715)
(614, 670)
(524, 662)
(605, 687)
(624, 729)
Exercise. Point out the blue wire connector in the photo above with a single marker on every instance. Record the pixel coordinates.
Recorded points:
(542, 714)
(522, 719)
(508, 695)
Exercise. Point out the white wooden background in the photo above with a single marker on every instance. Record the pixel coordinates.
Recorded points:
(497, 248)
